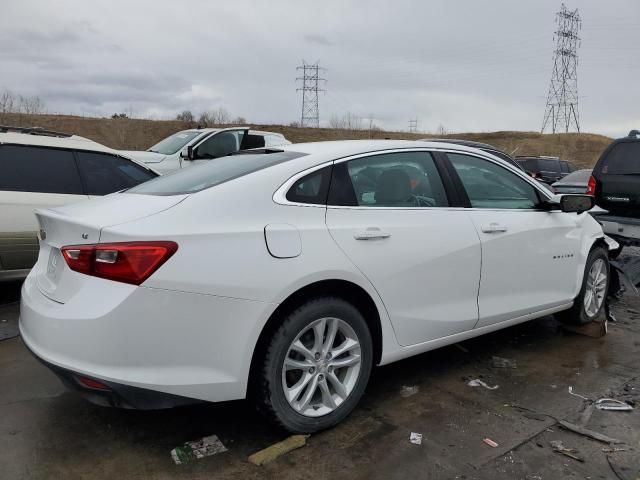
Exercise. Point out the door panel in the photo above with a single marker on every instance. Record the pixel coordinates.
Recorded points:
(425, 264)
(529, 256)
(529, 261)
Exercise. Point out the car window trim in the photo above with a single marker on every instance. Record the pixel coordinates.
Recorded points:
(279, 196)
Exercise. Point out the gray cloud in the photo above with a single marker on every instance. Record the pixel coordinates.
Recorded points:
(466, 65)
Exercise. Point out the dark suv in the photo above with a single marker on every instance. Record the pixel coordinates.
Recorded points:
(615, 183)
(546, 169)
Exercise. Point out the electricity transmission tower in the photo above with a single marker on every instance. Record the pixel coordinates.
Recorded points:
(413, 125)
(561, 112)
(310, 78)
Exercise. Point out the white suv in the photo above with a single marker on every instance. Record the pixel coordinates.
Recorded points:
(41, 168)
(196, 146)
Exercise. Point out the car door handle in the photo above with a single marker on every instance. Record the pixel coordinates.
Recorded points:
(371, 233)
(494, 227)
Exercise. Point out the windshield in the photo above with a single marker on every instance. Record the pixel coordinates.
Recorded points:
(175, 142)
(210, 174)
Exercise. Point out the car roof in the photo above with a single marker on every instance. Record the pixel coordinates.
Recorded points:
(74, 142)
(459, 141)
(329, 150)
(212, 130)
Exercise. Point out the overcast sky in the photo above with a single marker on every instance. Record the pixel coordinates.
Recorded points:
(469, 65)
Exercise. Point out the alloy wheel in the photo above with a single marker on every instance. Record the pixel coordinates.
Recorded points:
(321, 367)
(595, 293)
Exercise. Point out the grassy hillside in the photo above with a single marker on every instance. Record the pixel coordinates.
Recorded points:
(134, 134)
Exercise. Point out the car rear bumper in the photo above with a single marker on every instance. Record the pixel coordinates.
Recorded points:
(181, 344)
(625, 231)
(111, 394)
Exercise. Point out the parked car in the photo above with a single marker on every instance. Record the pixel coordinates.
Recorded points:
(485, 147)
(196, 146)
(575, 182)
(286, 275)
(546, 169)
(42, 168)
(615, 183)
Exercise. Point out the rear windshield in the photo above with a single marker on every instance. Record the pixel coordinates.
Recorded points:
(175, 142)
(196, 178)
(623, 159)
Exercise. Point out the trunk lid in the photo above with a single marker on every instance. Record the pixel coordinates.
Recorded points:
(82, 224)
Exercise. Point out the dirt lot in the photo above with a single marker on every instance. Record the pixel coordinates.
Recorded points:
(48, 432)
(137, 134)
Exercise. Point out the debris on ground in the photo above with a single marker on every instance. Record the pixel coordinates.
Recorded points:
(613, 449)
(409, 390)
(415, 438)
(500, 362)
(490, 442)
(592, 329)
(276, 450)
(559, 447)
(612, 404)
(197, 449)
(588, 433)
(576, 394)
(461, 348)
(476, 382)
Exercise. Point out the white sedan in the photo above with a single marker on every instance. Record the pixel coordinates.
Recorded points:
(286, 275)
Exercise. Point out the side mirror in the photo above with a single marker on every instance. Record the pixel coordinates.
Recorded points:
(576, 203)
(187, 153)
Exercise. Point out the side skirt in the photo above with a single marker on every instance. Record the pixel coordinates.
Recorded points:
(412, 350)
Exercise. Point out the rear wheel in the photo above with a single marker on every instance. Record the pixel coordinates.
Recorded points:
(316, 366)
(590, 302)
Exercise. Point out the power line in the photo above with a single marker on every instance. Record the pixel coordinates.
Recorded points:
(561, 111)
(310, 116)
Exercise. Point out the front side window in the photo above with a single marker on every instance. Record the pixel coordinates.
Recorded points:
(401, 180)
(103, 173)
(491, 186)
(547, 165)
(38, 169)
(219, 145)
(175, 142)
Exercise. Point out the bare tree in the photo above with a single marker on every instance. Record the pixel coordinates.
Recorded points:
(348, 121)
(442, 130)
(185, 116)
(7, 102)
(218, 116)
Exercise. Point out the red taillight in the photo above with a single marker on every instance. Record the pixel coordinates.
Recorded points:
(129, 262)
(591, 186)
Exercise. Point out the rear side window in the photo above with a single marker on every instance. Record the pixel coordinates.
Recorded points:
(623, 159)
(400, 180)
(311, 188)
(103, 173)
(210, 174)
(38, 169)
(564, 167)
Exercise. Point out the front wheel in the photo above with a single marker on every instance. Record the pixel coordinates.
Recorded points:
(316, 366)
(590, 302)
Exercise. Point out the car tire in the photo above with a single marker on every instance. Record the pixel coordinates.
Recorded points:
(583, 311)
(281, 392)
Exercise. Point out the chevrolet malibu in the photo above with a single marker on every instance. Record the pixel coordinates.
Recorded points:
(286, 275)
